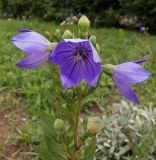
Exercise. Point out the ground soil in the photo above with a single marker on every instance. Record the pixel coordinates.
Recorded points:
(10, 151)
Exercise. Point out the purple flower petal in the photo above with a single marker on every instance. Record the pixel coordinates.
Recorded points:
(125, 90)
(75, 40)
(95, 54)
(71, 73)
(142, 60)
(78, 60)
(31, 42)
(25, 30)
(62, 52)
(33, 60)
(131, 72)
(92, 71)
(35, 45)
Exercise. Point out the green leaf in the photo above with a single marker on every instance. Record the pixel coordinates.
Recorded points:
(46, 121)
(90, 151)
(44, 154)
(51, 145)
(55, 148)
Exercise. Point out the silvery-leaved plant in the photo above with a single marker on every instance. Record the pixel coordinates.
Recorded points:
(77, 68)
(128, 134)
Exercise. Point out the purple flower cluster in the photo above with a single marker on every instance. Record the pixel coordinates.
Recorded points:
(78, 61)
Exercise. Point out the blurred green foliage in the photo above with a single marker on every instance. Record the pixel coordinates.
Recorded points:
(101, 12)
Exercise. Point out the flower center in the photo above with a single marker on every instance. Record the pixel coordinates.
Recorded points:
(81, 53)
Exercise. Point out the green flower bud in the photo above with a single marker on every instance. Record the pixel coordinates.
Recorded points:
(48, 34)
(53, 45)
(94, 125)
(84, 24)
(97, 47)
(83, 35)
(59, 124)
(108, 69)
(93, 39)
(67, 34)
(57, 34)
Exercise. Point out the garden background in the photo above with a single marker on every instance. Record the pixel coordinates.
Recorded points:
(116, 25)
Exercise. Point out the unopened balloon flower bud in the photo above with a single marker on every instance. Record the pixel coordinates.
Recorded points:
(48, 34)
(70, 92)
(93, 39)
(57, 34)
(67, 34)
(59, 124)
(53, 45)
(83, 35)
(97, 47)
(108, 69)
(94, 125)
(84, 24)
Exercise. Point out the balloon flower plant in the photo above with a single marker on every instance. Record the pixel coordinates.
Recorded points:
(77, 71)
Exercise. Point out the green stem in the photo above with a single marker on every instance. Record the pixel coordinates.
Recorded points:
(75, 129)
(76, 121)
(76, 114)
